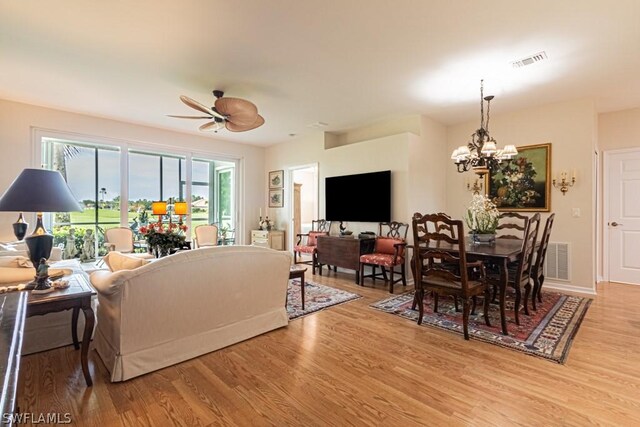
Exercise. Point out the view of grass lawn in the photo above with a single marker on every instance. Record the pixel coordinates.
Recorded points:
(106, 215)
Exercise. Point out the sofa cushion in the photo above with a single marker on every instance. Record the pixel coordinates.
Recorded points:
(117, 261)
(15, 262)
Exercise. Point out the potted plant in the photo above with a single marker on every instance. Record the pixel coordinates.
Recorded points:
(161, 238)
(482, 219)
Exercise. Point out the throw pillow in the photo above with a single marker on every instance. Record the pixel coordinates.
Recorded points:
(117, 261)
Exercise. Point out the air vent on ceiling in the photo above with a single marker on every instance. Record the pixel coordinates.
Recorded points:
(540, 56)
(556, 264)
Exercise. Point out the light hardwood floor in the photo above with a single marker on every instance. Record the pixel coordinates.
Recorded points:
(353, 365)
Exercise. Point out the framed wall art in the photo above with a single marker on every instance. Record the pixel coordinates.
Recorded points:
(276, 179)
(524, 183)
(276, 198)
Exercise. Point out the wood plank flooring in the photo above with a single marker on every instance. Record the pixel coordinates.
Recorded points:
(353, 365)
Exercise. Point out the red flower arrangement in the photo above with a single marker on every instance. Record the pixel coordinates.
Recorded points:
(164, 237)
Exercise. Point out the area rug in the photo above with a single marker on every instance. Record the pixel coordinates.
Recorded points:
(316, 297)
(547, 332)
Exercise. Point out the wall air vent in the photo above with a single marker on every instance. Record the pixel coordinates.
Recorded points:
(556, 264)
(540, 56)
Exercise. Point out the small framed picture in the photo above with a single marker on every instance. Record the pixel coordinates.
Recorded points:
(276, 198)
(276, 179)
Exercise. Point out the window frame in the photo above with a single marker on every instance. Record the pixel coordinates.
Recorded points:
(91, 141)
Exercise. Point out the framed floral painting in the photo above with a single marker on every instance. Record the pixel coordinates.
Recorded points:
(523, 184)
(276, 198)
(276, 179)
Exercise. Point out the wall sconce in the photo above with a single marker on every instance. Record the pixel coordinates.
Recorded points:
(476, 188)
(564, 184)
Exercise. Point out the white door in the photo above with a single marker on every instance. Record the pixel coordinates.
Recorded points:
(623, 219)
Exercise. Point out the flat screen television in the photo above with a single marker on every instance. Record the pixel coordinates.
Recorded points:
(364, 197)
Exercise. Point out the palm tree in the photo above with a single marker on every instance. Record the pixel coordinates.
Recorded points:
(62, 153)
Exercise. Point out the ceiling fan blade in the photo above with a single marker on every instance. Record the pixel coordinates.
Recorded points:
(195, 105)
(211, 126)
(239, 128)
(189, 117)
(238, 111)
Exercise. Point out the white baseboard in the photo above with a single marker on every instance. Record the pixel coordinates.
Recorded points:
(568, 288)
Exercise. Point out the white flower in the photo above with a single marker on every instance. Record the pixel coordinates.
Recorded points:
(482, 215)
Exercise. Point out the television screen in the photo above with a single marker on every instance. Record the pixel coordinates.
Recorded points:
(364, 197)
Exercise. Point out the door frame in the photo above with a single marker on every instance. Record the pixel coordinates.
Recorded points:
(605, 204)
(290, 171)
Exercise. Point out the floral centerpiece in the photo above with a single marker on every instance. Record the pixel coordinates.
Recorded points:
(482, 218)
(161, 238)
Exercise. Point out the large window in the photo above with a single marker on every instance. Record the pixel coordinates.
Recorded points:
(94, 175)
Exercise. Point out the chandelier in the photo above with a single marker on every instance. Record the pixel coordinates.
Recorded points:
(481, 153)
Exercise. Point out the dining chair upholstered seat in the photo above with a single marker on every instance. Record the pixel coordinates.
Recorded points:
(430, 271)
(388, 253)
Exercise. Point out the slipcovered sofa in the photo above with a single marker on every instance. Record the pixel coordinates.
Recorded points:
(186, 305)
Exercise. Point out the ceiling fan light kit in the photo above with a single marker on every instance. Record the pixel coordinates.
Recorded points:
(234, 114)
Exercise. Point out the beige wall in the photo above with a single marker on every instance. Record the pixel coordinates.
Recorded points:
(18, 120)
(571, 129)
(415, 161)
(389, 153)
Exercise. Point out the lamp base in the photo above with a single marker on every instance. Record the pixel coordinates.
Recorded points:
(20, 228)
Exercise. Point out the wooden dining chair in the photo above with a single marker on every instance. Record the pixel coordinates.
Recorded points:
(388, 252)
(520, 271)
(511, 225)
(307, 242)
(433, 276)
(437, 227)
(537, 272)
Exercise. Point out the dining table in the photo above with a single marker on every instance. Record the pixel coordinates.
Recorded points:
(500, 253)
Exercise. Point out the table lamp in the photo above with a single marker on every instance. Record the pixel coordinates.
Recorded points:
(159, 208)
(180, 209)
(39, 190)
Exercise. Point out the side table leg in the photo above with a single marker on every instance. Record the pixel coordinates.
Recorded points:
(302, 288)
(89, 321)
(74, 327)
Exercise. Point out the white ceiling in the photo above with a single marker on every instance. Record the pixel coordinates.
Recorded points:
(347, 63)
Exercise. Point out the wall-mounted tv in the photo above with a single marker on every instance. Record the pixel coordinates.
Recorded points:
(364, 197)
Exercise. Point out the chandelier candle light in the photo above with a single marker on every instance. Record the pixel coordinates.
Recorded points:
(481, 153)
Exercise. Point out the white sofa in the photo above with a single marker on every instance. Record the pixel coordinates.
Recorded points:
(186, 305)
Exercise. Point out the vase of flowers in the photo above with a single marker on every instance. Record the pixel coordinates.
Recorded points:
(482, 219)
(161, 238)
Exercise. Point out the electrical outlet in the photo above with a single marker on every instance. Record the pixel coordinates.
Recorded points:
(575, 212)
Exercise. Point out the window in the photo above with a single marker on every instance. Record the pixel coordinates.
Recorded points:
(93, 175)
(93, 172)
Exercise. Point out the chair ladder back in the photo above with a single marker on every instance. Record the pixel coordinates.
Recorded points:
(321, 225)
(544, 244)
(435, 258)
(394, 230)
(512, 221)
(528, 248)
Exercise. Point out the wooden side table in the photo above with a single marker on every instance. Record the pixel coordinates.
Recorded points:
(297, 271)
(76, 297)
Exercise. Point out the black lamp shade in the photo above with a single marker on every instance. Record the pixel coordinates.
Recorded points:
(39, 190)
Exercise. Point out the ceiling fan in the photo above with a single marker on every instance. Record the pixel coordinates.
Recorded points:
(237, 115)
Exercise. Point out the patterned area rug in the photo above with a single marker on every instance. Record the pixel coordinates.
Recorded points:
(317, 297)
(547, 332)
